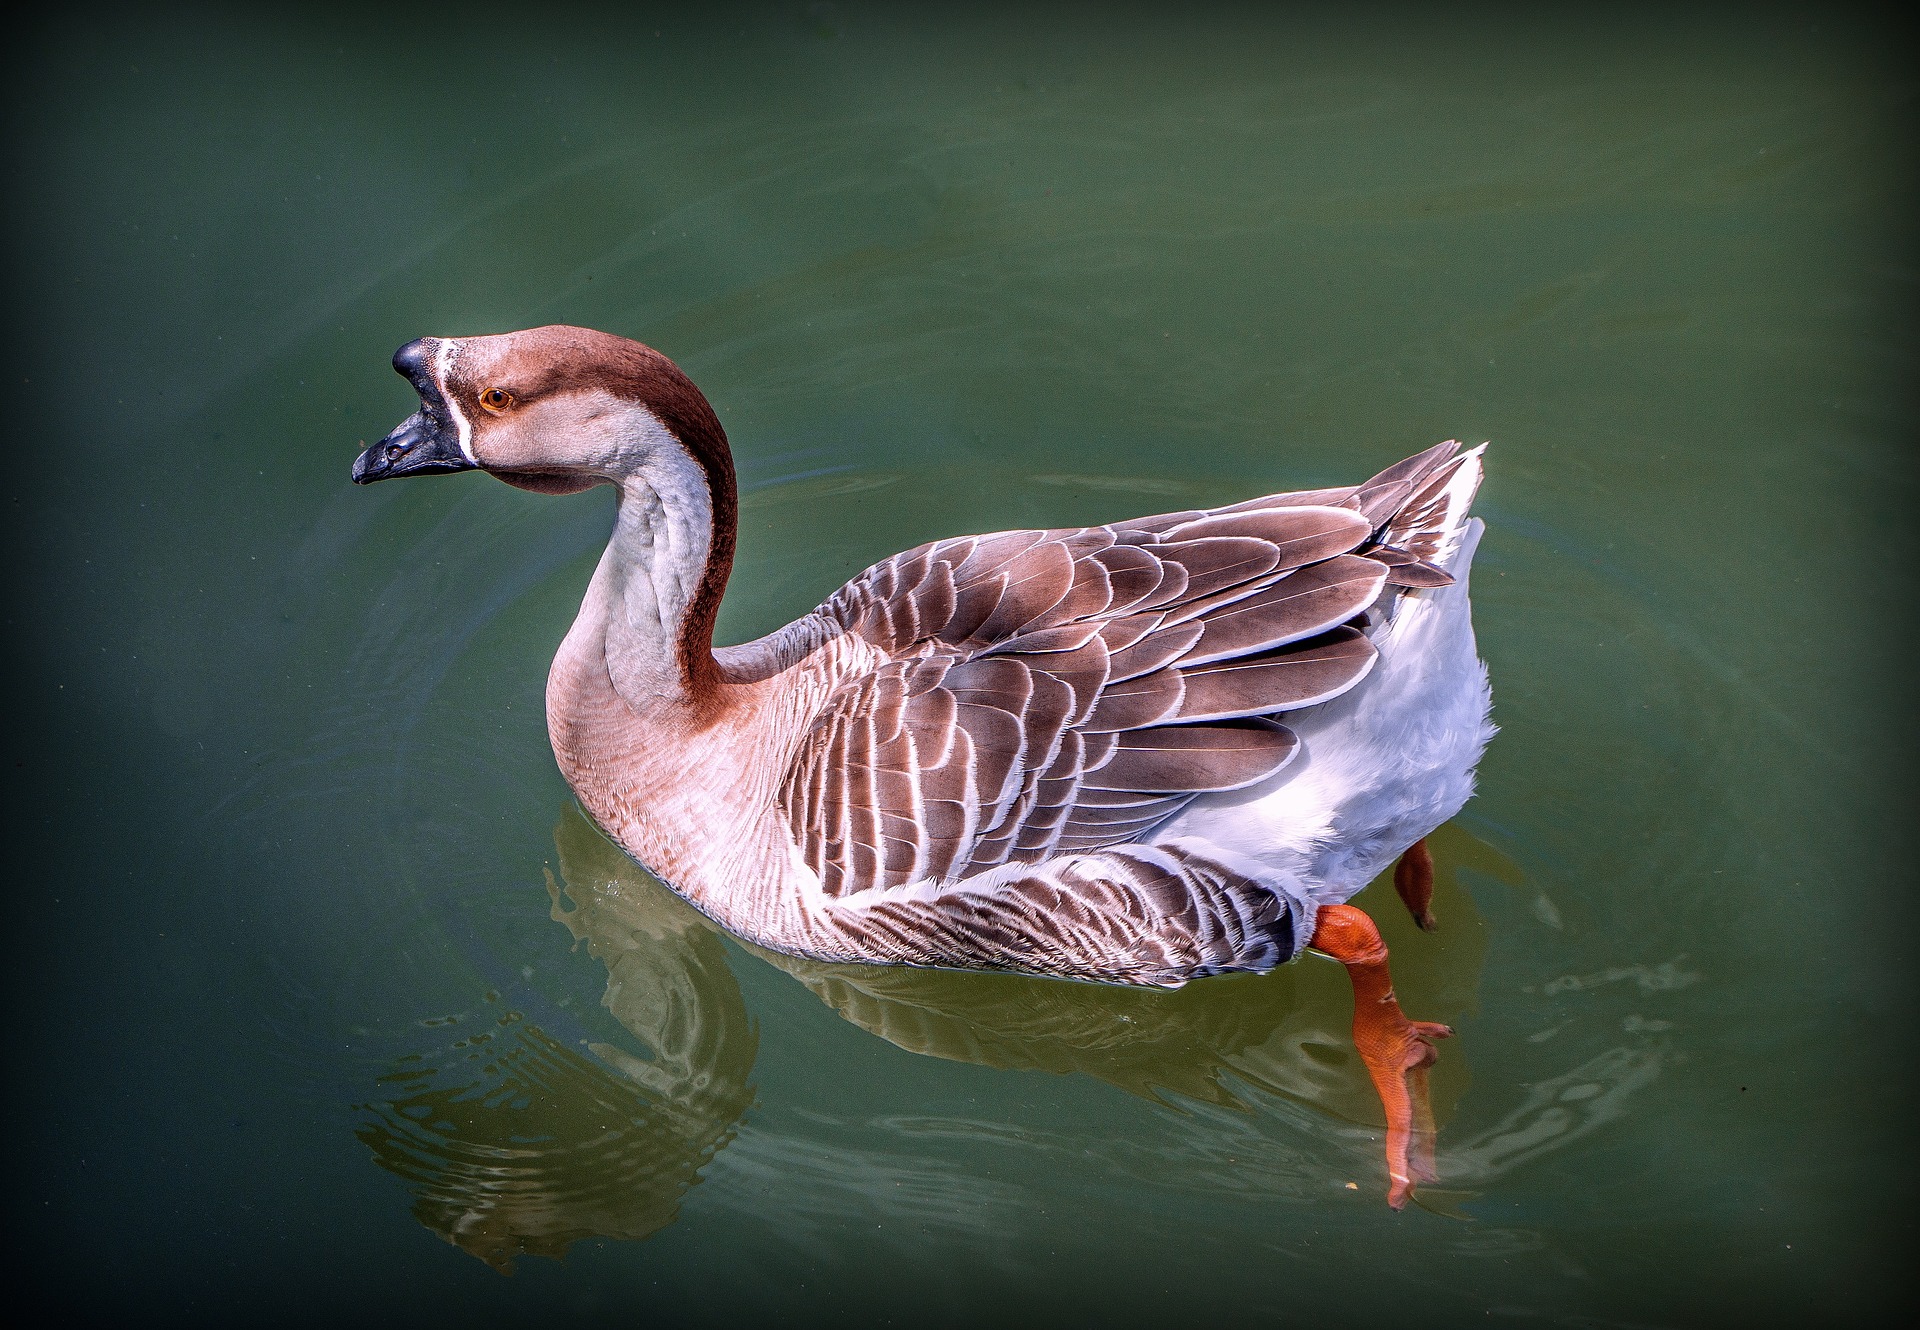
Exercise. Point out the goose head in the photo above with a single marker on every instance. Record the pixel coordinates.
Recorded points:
(555, 410)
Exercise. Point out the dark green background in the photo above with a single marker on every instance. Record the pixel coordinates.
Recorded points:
(282, 794)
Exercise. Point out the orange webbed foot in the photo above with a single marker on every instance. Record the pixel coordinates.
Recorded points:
(1413, 879)
(1396, 1051)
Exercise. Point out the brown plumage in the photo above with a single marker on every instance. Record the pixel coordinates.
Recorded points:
(1030, 666)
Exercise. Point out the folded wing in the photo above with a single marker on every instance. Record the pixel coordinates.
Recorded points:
(1052, 692)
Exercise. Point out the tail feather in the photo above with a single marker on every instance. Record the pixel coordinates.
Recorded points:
(1387, 493)
(1431, 521)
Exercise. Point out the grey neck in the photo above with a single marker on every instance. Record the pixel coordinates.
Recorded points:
(649, 575)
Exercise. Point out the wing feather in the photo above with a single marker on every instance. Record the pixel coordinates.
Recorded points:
(1278, 680)
(1153, 650)
(934, 600)
(1308, 601)
(1132, 575)
(1064, 637)
(1299, 535)
(1132, 703)
(1218, 562)
(1036, 580)
(1053, 692)
(1407, 569)
(973, 603)
(1183, 759)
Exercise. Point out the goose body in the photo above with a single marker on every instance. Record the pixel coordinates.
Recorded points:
(1137, 753)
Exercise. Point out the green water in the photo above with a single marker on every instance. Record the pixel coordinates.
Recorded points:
(325, 1004)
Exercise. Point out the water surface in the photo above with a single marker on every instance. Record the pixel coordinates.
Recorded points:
(326, 997)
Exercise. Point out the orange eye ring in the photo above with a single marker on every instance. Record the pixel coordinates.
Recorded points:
(496, 400)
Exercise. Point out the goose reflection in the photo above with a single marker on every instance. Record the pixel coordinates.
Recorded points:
(517, 1145)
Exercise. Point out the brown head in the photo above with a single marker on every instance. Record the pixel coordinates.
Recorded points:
(531, 407)
(558, 410)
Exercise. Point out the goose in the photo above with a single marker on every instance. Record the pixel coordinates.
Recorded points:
(1139, 753)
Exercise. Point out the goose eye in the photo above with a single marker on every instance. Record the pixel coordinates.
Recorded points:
(496, 399)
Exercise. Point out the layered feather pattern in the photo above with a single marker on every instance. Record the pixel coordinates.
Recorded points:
(1047, 696)
(1155, 915)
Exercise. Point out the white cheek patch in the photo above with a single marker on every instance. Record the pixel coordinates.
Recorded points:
(442, 362)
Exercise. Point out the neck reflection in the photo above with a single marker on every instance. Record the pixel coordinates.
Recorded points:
(516, 1145)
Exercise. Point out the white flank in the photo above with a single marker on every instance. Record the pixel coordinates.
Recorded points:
(1384, 763)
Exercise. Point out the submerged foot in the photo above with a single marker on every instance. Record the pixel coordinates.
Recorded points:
(1413, 879)
(1396, 1051)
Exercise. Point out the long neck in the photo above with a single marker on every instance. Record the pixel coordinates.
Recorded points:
(654, 597)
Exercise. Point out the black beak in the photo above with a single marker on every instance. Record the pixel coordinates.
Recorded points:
(420, 446)
(427, 441)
